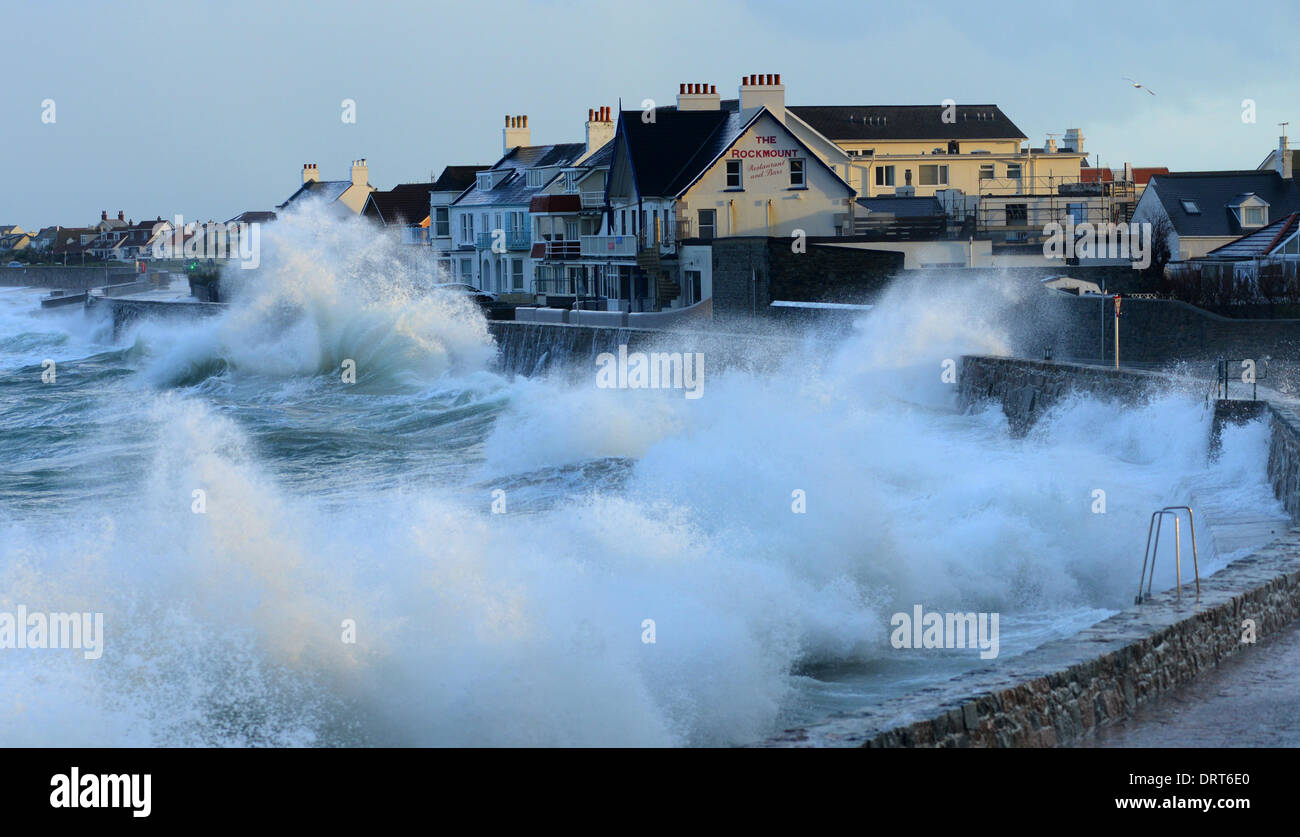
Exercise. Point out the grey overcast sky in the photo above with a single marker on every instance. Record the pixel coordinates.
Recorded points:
(209, 109)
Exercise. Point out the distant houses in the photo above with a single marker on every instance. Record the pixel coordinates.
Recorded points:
(1206, 210)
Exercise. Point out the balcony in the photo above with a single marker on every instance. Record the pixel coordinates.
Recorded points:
(622, 246)
(593, 200)
(515, 240)
(557, 249)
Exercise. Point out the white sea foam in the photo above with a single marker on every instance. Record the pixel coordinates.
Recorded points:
(526, 628)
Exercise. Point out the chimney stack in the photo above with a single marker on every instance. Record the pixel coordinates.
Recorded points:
(698, 97)
(103, 214)
(121, 216)
(310, 173)
(763, 90)
(360, 173)
(1073, 140)
(515, 133)
(600, 130)
(1285, 160)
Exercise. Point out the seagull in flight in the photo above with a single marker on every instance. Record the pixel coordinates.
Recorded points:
(1139, 86)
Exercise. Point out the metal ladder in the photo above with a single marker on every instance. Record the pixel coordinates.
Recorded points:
(1157, 517)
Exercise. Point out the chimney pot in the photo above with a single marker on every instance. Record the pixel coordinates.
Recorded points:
(778, 78)
(681, 88)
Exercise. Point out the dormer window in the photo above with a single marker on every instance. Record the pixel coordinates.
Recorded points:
(1251, 210)
(536, 178)
(1191, 208)
(485, 182)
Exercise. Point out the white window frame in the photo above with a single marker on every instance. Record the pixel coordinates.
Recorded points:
(940, 177)
(885, 175)
(738, 174)
(800, 180)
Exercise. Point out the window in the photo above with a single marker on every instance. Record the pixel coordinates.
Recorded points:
(986, 171)
(1252, 216)
(1191, 208)
(467, 227)
(1077, 212)
(1017, 214)
(442, 223)
(796, 173)
(535, 178)
(467, 271)
(1013, 171)
(708, 223)
(884, 175)
(517, 274)
(733, 174)
(934, 175)
(485, 182)
(517, 222)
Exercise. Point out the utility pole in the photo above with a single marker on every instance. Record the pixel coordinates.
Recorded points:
(1117, 331)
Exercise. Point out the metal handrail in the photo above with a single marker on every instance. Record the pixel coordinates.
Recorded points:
(1150, 552)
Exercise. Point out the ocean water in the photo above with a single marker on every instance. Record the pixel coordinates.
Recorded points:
(371, 504)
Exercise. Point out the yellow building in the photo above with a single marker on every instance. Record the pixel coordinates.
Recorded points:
(974, 149)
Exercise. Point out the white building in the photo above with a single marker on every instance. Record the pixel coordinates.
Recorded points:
(489, 221)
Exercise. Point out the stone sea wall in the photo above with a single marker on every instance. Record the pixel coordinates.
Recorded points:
(1060, 692)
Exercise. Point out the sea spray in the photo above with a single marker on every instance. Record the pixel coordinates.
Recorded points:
(349, 584)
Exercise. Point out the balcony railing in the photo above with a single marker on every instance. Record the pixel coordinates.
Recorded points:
(607, 245)
(515, 240)
(579, 286)
(561, 249)
(593, 200)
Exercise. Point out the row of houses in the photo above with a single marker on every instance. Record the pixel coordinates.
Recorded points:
(627, 215)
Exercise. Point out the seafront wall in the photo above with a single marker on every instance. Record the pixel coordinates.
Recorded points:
(68, 278)
(1027, 388)
(1060, 692)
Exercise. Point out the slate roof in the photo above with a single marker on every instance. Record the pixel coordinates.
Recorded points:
(513, 188)
(905, 122)
(327, 190)
(1259, 243)
(457, 178)
(668, 153)
(1212, 191)
(253, 216)
(904, 207)
(602, 157)
(406, 204)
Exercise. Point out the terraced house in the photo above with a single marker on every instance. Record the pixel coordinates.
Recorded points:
(490, 223)
(570, 207)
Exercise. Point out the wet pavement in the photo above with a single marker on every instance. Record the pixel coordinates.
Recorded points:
(1250, 700)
